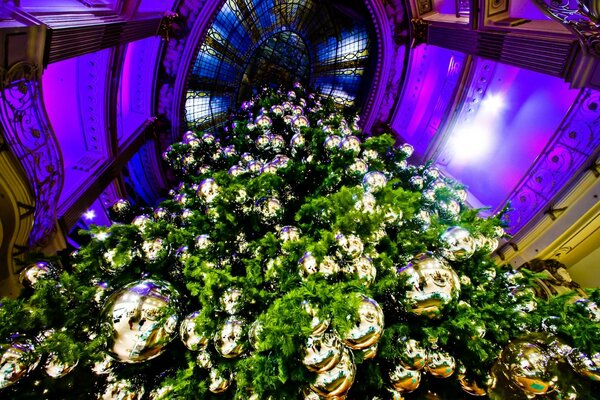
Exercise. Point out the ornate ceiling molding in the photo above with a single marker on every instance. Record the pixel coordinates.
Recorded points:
(32, 141)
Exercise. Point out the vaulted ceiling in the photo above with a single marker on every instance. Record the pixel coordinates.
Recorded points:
(499, 96)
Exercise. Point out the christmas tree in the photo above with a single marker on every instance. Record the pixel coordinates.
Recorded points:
(297, 258)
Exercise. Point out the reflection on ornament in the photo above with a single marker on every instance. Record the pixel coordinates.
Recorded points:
(229, 340)
(368, 326)
(55, 368)
(458, 244)
(440, 364)
(254, 333)
(338, 380)
(308, 265)
(350, 245)
(358, 167)
(219, 381)
(289, 233)
(231, 301)
(203, 242)
(590, 307)
(471, 387)
(406, 149)
(328, 266)
(208, 190)
(203, 359)
(35, 272)
(370, 352)
(434, 285)
(162, 393)
(351, 144)
(141, 222)
(139, 320)
(405, 380)
(366, 270)
(374, 181)
(103, 367)
(322, 353)
(414, 356)
(122, 390)
(526, 364)
(189, 336)
(332, 142)
(16, 361)
(585, 365)
(317, 324)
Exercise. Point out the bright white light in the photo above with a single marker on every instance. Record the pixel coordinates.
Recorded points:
(89, 215)
(471, 142)
(493, 103)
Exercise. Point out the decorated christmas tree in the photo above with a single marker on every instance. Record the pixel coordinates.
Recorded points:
(298, 258)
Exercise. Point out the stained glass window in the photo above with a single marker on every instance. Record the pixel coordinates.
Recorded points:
(252, 43)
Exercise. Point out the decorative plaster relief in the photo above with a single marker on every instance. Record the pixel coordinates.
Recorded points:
(32, 141)
(573, 145)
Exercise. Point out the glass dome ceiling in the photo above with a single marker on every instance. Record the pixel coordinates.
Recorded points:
(252, 43)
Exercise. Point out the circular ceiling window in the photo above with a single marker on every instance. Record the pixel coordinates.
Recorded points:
(327, 45)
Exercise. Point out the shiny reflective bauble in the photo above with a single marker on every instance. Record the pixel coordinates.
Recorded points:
(208, 190)
(405, 380)
(300, 121)
(263, 121)
(457, 244)
(277, 142)
(229, 340)
(297, 141)
(277, 109)
(203, 242)
(338, 380)
(365, 269)
(370, 155)
(417, 182)
(255, 166)
(358, 167)
(104, 367)
(414, 356)
(585, 365)
(440, 364)
(351, 144)
(308, 265)
(254, 333)
(162, 393)
(232, 301)
(136, 315)
(590, 307)
(236, 170)
(434, 285)
(318, 325)
(374, 181)
(33, 273)
(16, 361)
(471, 386)
(350, 245)
(153, 250)
(269, 207)
(332, 142)
(189, 335)
(370, 352)
(141, 222)
(208, 137)
(54, 368)
(289, 233)
(527, 365)
(219, 381)
(485, 243)
(122, 390)
(406, 150)
(204, 360)
(368, 326)
(322, 353)
(328, 266)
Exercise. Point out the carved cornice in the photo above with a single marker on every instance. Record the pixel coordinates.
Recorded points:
(575, 143)
(32, 141)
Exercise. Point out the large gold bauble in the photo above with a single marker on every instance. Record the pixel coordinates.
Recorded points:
(122, 390)
(323, 352)
(229, 340)
(414, 356)
(219, 381)
(189, 336)
(440, 364)
(404, 380)
(457, 244)
(434, 285)
(141, 319)
(338, 380)
(471, 387)
(54, 368)
(526, 364)
(368, 326)
(16, 361)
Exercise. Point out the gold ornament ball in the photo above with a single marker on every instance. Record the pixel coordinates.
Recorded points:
(368, 326)
(457, 244)
(526, 364)
(440, 364)
(337, 381)
(54, 368)
(189, 335)
(584, 365)
(136, 316)
(219, 381)
(16, 361)
(122, 390)
(35, 272)
(414, 355)
(434, 285)
(322, 353)
(404, 380)
(229, 340)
